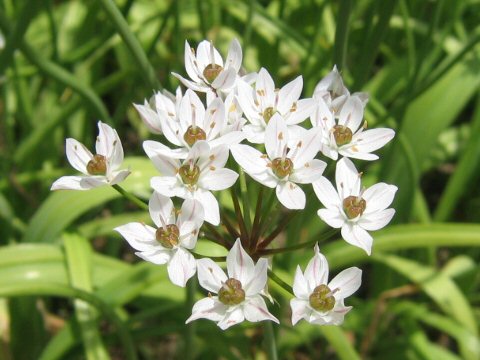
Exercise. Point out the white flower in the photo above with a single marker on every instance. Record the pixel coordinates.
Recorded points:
(193, 178)
(259, 104)
(161, 106)
(238, 294)
(206, 69)
(318, 302)
(99, 169)
(197, 123)
(283, 168)
(170, 242)
(348, 137)
(353, 210)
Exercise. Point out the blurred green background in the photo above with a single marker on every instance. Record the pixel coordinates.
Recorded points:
(71, 288)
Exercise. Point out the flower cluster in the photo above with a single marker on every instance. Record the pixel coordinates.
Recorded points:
(277, 138)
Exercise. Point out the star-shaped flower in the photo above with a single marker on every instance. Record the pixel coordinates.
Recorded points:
(319, 301)
(282, 168)
(99, 169)
(195, 177)
(238, 294)
(260, 103)
(206, 68)
(170, 242)
(348, 137)
(353, 209)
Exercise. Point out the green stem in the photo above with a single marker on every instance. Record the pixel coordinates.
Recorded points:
(256, 225)
(280, 227)
(245, 200)
(131, 41)
(270, 340)
(190, 328)
(140, 203)
(341, 34)
(238, 213)
(214, 258)
(218, 238)
(280, 282)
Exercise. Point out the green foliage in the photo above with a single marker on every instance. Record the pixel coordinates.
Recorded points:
(72, 285)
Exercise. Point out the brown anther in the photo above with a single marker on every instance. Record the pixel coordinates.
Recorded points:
(211, 72)
(97, 166)
(231, 292)
(193, 134)
(343, 134)
(168, 236)
(282, 167)
(321, 299)
(354, 206)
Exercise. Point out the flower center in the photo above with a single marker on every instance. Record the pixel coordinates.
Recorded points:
(342, 134)
(193, 134)
(282, 167)
(168, 236)
(268, 113)
(97, 166)
(354, 206)
(322, 299)
(189, 174)
(211, 72)
(231, 293)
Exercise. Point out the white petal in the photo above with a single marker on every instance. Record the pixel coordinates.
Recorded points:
(246, 100)
(78, 182)
(304, 108)
(377, 220)
(119, 176)
(371, 140)
(300, 310)
(140, 236)
(256, 310)
(355, 235)
(250, 159)
(78, 155)
(316, 272)
(351, 152)
(347, 282)
(310, 172)
(181, 267)
(217, 179)
(162, 157)
(234, 56)
(208, 308)
(239, 264)
(333, 217)
(156, 256)
(228, 139)
(265, 89)
(276, 137)
(326, 193)
(225, 79)
(191, 84)
(322, 115)
(259, 279)
(166, 185)
(300, 285)
(150, 118)
(210, 276)
(215, 119)
(231, 318)
(204, 55)
(306, 148)
(347, 178)
(191, 213)
(378, 197)
(291, 195)
(190, 65)
(210, 206)
(351, 114)
(161, 210)
(289, 94)
(106, 140)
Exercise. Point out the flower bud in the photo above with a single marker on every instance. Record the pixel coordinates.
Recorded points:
(168, 236)
(282, 167)
(322, 298)
(97, 166)
(193, 134)
(342, 134)
(354, 206)
(211, 72)
(231, 293)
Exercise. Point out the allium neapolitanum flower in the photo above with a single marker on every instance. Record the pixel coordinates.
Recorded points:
(193, 178)
(197, 123)
(282, 168)
(348, 137)
(99, 169)
(319, 301)
(353, 209)
(170, 242)
(260, 103)
(238, 295)
(206, 69)
(161, 106)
